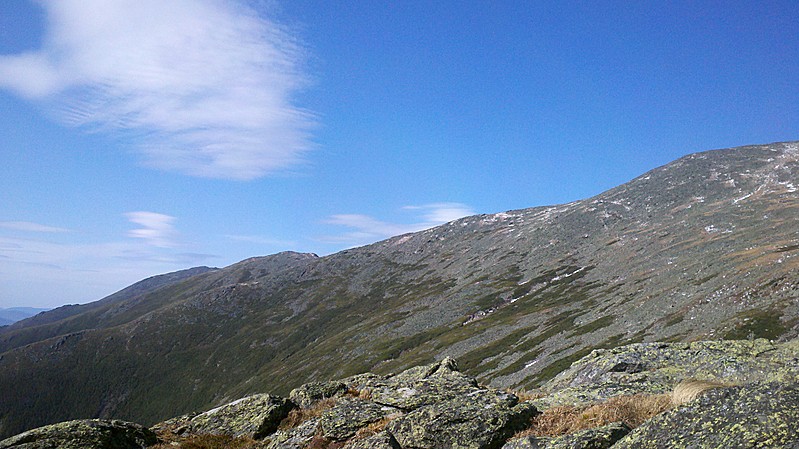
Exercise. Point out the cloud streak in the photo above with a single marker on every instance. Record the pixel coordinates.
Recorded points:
(27, 226)
(366, 229)
(156, 229)
(202, 87)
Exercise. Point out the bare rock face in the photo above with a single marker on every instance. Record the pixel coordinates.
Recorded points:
(479, 420)
(656, 368)
(599, 438)
(308, 394)
(349, 415)
(254, 416)
(755, 415)
(84, 434)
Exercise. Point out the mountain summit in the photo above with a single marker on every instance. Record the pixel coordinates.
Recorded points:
(702, 248)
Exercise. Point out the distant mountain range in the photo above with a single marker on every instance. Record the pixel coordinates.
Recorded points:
(13, 314)
(702, 248)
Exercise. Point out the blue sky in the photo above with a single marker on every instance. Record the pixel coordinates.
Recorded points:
(143, 136)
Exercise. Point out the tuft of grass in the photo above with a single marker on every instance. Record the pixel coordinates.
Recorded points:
(633, 410)
(690, 389)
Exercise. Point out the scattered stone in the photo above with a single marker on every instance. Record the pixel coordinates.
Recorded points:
(84, 434)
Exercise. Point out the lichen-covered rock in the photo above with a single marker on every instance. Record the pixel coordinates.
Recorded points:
(295, 438)
(597, 438)
(446, 367)
(481, 419)
(349, 415)
(415, 394)
(419, 386)
(308, 394)
(84, 434)
(655, 368)
(751, 416)
(253, 416)
(381, 440)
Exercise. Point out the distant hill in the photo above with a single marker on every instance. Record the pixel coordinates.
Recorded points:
(700, 249)
(13, 314)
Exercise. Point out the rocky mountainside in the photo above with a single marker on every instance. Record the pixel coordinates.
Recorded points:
(702, 248)
(638, 396)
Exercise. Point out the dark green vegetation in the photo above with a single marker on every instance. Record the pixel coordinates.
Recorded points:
(702, 248)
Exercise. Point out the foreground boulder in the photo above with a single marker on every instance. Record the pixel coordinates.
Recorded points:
(254, 416)
(655, 368)
(84, 434)
(755, 415)
(480, 420)
(312, 392)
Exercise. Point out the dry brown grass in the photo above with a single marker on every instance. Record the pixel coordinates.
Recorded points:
(299, 415)
(364, 394)
(690, 389)
(633, 410)
(374, 428)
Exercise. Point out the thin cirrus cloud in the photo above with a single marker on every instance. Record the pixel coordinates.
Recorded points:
(155, 229)
(27, 226)
(365, 229)
(202, 87)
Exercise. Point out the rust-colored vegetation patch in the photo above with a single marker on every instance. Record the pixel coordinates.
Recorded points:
(633, 410)
(373, 428)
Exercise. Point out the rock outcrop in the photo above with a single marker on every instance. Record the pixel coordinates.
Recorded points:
(84, 434)
(654, 368)
(749, 398)
(598, 438)
(753, 416)
(253, 416)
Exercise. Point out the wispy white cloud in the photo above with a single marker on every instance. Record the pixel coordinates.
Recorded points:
(203, 87)
(27, 226)
(156, 229)
(439, 213)
(366, 229)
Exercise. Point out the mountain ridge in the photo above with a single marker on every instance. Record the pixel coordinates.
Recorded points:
(700, 248)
